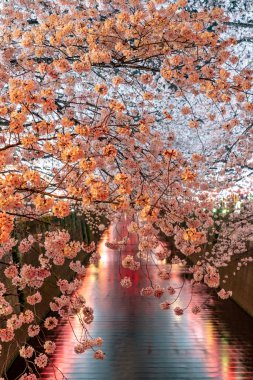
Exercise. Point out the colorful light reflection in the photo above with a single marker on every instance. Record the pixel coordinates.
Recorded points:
(211, 345)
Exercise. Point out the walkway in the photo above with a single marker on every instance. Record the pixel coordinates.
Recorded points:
(142, 342)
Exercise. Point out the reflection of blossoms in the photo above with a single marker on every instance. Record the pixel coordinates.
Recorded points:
(148, 291)
(164, 305)
(111, 245)
(129, 263)
(162, 254)
(88, 314)
(79, 348)
(86, 344)
(126, 282)
(98, 341)
(99, 355)
(171, 290)
(178, 311)
(133, 227)
(158, 291)
(196, 309)
(164, 274)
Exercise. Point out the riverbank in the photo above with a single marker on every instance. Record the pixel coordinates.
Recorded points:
(240, 282)
(79, 230)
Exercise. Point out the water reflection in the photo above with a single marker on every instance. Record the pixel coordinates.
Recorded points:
(143, 342)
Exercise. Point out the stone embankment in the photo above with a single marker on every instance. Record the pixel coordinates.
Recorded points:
(80, 231)
(239, 281)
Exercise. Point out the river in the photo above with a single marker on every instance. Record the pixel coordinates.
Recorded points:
(142, 342)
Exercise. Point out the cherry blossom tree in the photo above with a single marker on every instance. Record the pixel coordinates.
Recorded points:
(112, 108)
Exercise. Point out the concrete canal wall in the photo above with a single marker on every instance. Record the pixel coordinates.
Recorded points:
(80, 231)
(240, 282)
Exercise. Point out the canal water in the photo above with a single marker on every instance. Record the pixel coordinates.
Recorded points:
(142, 342)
